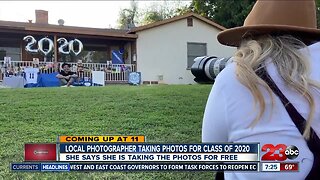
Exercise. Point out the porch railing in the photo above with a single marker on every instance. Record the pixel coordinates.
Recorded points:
(114, 73)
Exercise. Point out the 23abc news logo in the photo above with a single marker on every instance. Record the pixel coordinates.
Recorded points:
(279, 152)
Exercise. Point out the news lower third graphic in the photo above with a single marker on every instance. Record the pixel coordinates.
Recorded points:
(133, 153)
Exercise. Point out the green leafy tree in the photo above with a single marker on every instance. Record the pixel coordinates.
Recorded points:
(230, 13)
(128, 16)
(158, 11)
(318, 13)
(183, 10)
(152, 16)
(166, 10)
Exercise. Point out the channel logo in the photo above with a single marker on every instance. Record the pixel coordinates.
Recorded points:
(40, 152)
(279, 152)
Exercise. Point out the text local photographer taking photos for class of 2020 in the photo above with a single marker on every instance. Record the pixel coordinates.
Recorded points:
(270, 92)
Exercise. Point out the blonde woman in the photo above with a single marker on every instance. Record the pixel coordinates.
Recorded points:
(273, 82)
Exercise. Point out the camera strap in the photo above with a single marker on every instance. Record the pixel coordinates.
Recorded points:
(219, 175)
(299, 121)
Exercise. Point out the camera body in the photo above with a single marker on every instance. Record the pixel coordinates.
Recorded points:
(206, 68)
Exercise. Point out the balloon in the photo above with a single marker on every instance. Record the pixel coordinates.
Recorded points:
(40, 46)
(63, 46)
(30, 44)
(71, 43)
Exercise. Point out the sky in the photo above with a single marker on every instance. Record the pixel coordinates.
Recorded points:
(96, 14)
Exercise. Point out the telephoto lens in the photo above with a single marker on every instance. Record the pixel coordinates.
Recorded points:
(206, 68)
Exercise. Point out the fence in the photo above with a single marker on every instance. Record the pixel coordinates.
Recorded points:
(114, 73)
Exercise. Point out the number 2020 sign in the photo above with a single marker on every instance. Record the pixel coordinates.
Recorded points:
(66, 47)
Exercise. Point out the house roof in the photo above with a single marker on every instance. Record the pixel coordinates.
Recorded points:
(25, 27)
(49, 28)
(166, 21)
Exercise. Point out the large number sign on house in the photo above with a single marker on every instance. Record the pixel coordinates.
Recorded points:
(65, 47)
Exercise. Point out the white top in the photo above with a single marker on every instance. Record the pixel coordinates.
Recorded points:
(31, 75)
(230, 110)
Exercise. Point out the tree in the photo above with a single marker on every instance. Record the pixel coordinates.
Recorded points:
(230, 13)
(318, 13)
(183, 10)
(158, 11)
(151, 17)
(166, 10)
(127, 17)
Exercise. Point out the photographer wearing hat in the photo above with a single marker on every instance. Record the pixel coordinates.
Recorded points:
(66, 76)
(271, 92)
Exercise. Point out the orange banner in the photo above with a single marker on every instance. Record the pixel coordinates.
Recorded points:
(101, 139)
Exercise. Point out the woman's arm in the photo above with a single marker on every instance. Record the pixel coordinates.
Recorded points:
(214, 126)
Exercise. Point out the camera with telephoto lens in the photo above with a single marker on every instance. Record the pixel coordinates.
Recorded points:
(206, 68)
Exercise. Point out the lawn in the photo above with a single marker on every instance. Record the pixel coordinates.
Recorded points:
(164, 114)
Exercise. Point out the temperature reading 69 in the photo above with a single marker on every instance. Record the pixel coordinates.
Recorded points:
(289, 166)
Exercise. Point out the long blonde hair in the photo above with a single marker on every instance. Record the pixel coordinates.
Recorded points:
(292, 65)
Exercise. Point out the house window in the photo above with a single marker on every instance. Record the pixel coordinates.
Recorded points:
(98, 56)
(12, 52)
(10, 47)
(195, 50)
(3, 54)
(190, 21)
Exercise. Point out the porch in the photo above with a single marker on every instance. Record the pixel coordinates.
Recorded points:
(114, 73)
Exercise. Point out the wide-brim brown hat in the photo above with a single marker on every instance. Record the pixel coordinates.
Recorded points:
(276, 17)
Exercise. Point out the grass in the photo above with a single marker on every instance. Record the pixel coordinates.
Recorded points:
(167, 113)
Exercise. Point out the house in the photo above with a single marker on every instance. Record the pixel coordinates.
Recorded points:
(97, 53)
(166, 49)
(163, 51)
